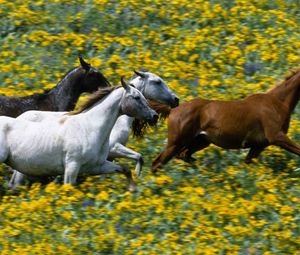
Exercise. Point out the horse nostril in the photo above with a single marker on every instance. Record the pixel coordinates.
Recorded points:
(176, 101)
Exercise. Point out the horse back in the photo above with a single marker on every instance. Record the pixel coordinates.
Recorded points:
(14, 106)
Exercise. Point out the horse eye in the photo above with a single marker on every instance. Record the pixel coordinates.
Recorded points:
(158, 82)
(137, 98)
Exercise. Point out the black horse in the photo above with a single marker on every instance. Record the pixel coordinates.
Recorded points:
(63, 97)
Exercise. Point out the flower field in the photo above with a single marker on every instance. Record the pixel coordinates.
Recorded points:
(202, 48)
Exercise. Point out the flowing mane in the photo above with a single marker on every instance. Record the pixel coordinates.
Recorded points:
(288, 80)
(139, 127)
(93, 99)
(291, 75)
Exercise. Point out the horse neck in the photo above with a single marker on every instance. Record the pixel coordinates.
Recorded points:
(105, 113)
(66, 93)
(288, 92)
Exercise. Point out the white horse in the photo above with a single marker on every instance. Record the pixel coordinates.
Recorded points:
(152, 87)
(75, 143)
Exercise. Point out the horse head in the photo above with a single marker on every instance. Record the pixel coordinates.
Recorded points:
(93, 79)
(154, 88)
(134, 104)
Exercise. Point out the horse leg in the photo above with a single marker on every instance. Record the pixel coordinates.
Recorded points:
(253, 153)
(199, 142)
(71, 173)
(128, 174)
(17, 179)
(286, 143)
(109, 167)
(165, 156)
(120, 151)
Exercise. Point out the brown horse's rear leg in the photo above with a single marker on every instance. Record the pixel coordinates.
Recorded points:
(284, 142)
(164, 157)
(199, 142)
(253, 153)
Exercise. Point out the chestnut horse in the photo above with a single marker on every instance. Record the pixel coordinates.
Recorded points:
(255, 122)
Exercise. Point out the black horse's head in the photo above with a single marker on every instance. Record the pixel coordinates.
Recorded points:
(93, 79)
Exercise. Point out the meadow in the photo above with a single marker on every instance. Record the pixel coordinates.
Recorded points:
(202, 48)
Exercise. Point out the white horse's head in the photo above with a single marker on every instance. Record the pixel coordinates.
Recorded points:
(134, 104)
(154, 88)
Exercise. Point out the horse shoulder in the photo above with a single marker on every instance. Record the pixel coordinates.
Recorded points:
(184, 120)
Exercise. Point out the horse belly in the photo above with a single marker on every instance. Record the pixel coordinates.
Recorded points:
(226, 142)
(36, 156)
(35, 168)
(229, 140)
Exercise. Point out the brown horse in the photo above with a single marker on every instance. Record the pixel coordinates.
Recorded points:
(255, 122)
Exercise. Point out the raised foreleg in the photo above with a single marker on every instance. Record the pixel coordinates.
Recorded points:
(120, 151)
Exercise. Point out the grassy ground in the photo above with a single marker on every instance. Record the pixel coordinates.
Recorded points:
(212, 49)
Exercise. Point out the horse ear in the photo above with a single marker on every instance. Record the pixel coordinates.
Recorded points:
(140, 73)
(86, 66)
(124, 84)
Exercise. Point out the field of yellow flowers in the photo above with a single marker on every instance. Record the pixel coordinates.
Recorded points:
(206, 48)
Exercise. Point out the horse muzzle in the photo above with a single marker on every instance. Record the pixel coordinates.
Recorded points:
(153, 120)
(175, 102)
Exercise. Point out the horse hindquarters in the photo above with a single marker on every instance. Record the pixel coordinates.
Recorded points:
(4, 128)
